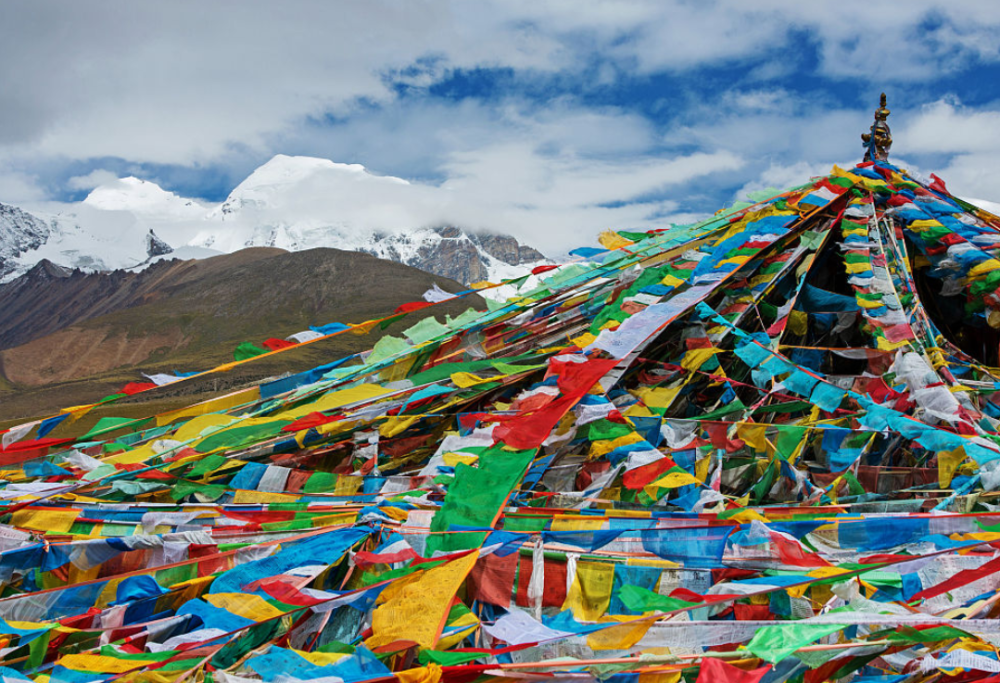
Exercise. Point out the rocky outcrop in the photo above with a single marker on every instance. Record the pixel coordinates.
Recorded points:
(19, 232)
(155, 246)
(459, 255)
(454, 257)
(507, 249)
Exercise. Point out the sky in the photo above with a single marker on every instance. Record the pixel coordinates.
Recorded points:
(549, 120)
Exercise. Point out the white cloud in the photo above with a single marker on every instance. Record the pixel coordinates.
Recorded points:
(554, 202)
(975, 175)
(782, 177)
(98, 176)
(948, 127)
(186, 82)
(19, 188)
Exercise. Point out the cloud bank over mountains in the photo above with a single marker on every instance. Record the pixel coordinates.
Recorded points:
(547, 120)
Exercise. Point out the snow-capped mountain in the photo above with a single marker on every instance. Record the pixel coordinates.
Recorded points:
(145, 198)
(292, 203)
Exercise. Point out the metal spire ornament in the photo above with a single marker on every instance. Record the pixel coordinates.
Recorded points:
(878, 140)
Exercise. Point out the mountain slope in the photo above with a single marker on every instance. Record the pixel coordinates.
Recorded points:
(190, 315)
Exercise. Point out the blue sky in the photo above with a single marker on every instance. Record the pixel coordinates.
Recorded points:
(544, 118)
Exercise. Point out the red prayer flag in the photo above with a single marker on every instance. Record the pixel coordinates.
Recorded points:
(647, 474)
(938, 185)
(960, 579)
(492, 579)
(275, 344)
(542, 269)
(309, 421)
(554, 588)
(412, 306)
(136, 387)
(717, 671)
(529, 429)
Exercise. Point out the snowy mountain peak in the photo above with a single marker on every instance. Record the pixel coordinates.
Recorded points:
(142, 197)
(288, 180)
(283, 169)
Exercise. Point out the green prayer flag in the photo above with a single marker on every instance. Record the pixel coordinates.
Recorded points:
(639, 599)
(789, 438)
(108, 424)
(908, 634)
(234, 437)
(386, 347)
(247, 350)
(447, 658)
(775, 643)
(476, 497)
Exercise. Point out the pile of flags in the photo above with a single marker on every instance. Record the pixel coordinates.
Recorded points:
(763, 447)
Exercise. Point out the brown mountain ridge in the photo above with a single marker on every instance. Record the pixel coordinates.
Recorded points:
(69, 337)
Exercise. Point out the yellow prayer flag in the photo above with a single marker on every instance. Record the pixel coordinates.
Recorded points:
(658, 397)
(50, 521)
(246, 497)
(425, 674)
(701, 469)
(451, 459)
(364, 328)
(886, 345)
(467, 379)
(621, 637)
(865, 303)
(336, 399)
(416, 612)
(660, 676)
(396, 425)
(984, 267)
(637, 410)
(214, 405)
(245, 605)
(753, 435)
(577, 523)
(196, 425)
(610, 239)
(133, 457)
(583, 340)
(695, 358)
(948, 462)
(798, 323)
(99, 663)
(605, 446)
(672, 480)
(590, 594)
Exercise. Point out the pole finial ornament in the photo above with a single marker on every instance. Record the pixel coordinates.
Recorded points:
(878, 140)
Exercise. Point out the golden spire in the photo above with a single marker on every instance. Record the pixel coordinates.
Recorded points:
(879, 139)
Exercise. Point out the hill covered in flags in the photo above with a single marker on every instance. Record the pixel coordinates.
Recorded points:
(760, 448)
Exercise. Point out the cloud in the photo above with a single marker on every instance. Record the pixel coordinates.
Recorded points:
(783, 177)
(19, 188)
(186, 82)
(98, 176)
(948, 127)
(551, 202)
